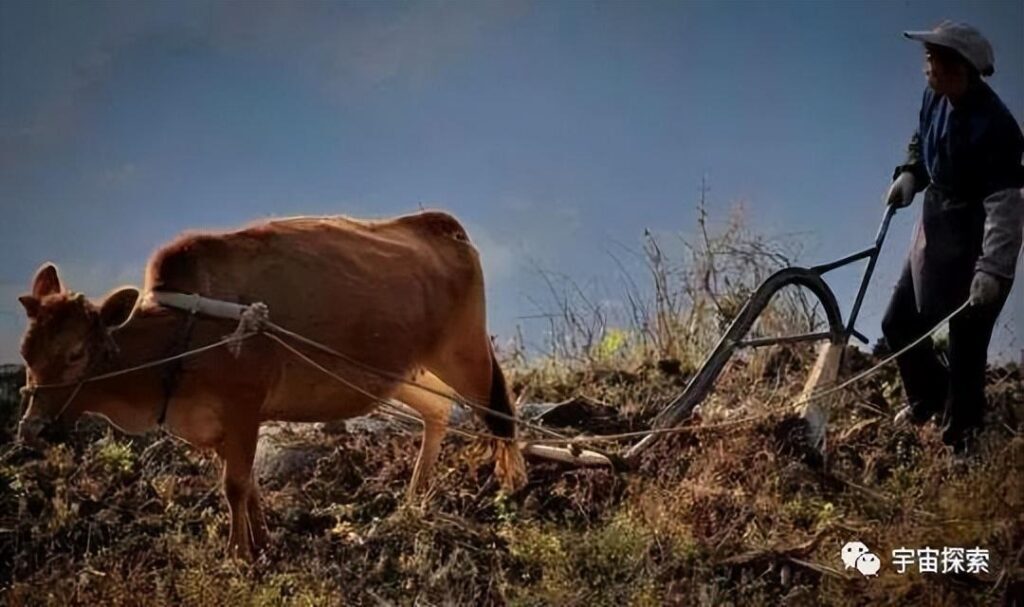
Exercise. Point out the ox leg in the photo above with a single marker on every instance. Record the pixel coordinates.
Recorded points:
(434, 409)
(257, 522)
(238, 451)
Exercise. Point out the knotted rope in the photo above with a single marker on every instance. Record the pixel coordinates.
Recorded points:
(254, 319)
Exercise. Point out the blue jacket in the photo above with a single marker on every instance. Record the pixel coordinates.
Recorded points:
(971, 150)
(969, 159)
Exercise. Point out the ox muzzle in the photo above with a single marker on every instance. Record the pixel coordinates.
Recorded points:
(36, 430)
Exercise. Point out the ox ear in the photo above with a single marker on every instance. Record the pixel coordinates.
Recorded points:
(118, 306)
(31, 305)
(46, 281)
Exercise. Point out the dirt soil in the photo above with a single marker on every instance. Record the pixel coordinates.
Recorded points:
(743, 515)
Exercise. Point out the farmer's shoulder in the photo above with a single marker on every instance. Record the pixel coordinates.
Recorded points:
(1002, 122)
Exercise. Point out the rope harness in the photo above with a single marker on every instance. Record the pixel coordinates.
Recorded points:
(172, 372)
(254, 319)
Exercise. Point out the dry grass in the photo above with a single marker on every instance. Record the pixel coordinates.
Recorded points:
(731, 517)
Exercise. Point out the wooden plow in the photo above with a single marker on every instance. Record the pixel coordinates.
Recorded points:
(823, 374)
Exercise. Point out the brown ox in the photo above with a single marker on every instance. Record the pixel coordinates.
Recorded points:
(405, 296)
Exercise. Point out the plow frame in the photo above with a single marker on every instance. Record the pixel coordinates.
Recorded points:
(838, 335)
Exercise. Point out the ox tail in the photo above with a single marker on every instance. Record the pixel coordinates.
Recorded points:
(509, 466)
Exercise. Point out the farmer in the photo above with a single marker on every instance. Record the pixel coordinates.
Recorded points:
(966, 156)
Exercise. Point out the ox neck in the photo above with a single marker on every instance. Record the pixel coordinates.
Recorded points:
(146, 337)
(133, 401)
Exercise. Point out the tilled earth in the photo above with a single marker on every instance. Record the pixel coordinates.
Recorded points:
(743, 515)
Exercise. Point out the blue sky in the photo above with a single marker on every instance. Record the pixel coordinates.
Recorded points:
(550, 128)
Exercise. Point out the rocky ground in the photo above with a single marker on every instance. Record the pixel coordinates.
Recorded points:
(742, 515)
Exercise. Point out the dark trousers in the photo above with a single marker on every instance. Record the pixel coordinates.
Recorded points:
(959, 391)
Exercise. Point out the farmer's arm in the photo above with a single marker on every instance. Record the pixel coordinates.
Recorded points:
(1004, 205)
(914, 163)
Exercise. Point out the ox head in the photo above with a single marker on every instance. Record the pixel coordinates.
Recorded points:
(68, 338)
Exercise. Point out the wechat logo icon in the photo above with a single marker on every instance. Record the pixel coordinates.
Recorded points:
(855, 555)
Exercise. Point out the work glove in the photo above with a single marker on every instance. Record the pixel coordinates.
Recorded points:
(901, 192)
(984, 289)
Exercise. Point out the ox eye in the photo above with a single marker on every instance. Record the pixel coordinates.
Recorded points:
(75, 356)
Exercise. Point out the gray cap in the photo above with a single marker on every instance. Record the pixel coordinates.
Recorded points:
(964, 39)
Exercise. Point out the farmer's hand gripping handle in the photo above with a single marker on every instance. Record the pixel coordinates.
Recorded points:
(901, 192)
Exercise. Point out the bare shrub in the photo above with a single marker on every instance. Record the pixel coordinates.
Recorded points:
(676, 306)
